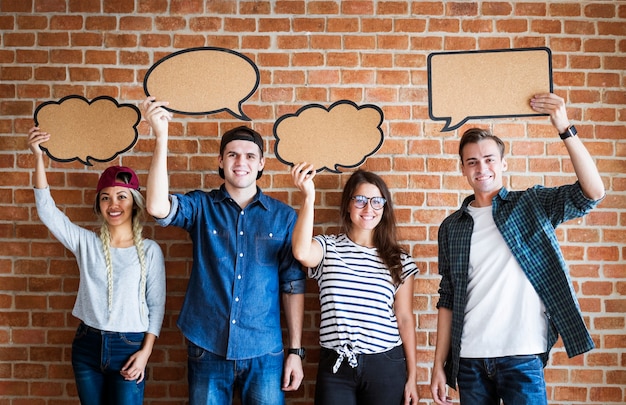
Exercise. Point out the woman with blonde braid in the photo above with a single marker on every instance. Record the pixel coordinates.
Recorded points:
(121, 294)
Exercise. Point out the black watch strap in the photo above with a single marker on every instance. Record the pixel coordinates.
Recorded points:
(569, 132)
(301, 351)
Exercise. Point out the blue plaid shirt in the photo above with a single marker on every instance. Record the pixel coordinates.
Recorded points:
(527, 222)
(242, 262)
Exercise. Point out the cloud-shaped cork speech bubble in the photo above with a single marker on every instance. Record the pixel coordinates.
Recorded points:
(486, 84)
(83, 130)
(343, 135)
(203, 80)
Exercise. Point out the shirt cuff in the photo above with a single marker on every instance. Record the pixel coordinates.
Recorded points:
(173, 209)
(294, 287)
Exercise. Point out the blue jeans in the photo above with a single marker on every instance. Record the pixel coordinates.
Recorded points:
(97, 358)
(377, 379)
(213, 378)
(517, 380)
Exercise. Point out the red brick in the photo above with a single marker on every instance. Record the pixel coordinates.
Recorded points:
(169, 23)
(360, 7)
(118, 6)
(16, 6)
(135, 23)
(290, 7)
(512, 26)
(153, 6)
(496, 8)
(531, 9)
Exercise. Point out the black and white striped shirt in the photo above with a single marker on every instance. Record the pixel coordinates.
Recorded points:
(356, 296)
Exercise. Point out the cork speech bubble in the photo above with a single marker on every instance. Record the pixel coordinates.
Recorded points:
(343, 135)
(83, 130)
(203, 80)
(486, 84)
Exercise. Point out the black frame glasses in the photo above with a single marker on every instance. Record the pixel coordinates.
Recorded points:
(377, 203)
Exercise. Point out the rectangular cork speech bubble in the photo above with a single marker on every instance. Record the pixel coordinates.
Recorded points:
(486, 84)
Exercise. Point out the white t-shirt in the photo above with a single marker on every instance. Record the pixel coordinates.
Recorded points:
(504, 316)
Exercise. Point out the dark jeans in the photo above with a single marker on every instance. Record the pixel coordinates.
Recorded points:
(378, 379)
(517, 380)
(97, 358)
(212, 378)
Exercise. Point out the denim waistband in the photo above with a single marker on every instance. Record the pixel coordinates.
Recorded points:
(88, 328)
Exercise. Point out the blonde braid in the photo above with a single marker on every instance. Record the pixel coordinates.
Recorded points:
(138, 241)
(105, 237)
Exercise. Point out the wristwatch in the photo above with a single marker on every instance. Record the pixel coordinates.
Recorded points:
(301, 351)
(570, 131)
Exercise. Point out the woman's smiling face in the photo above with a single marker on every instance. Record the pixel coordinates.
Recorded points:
(365, 218)
(116, 205)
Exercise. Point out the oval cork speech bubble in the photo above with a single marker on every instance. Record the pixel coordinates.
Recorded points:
(343, 135)
(83, 130)
(203, 80)
(486, 84)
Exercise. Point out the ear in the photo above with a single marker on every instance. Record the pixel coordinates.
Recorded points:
(504, 165)
(220, 161)
(261, 163)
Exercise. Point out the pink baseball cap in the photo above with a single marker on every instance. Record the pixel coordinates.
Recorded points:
(109, 178)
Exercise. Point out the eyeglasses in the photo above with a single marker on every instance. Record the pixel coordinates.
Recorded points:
(377, 203)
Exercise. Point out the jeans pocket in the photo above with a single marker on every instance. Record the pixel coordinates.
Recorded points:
(194, 352)
(276, 352)
(396, 354)
(81, 331)
(328, 358)
(132, 338)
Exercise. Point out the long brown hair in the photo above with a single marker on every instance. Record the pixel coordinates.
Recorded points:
(385, 237)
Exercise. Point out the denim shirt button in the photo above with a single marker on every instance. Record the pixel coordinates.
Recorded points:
(242, 212)
(214, 231)
(234, 321)
(240, 232)
(239, 277)
(236, 299)
(271, 235)
(240, 254)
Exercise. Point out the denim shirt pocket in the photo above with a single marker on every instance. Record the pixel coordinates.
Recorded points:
(268, 247)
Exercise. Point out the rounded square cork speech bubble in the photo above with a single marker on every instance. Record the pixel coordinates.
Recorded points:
(486, 84)
(343, 135)
(203, 80)
(83, 130)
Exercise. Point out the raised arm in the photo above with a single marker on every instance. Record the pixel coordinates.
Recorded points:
(584, 166)
(157, 190)
(307, 251)
(35, 138)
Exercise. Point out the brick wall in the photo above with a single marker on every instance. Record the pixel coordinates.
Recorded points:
(307, 52)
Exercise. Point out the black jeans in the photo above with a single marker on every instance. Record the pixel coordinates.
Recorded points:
(377, 379)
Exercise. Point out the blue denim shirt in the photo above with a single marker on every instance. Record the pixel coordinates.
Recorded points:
(527, 221)
(242, 261)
